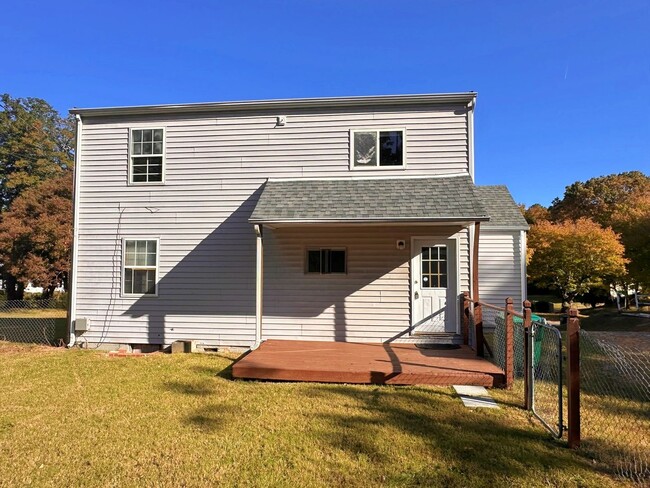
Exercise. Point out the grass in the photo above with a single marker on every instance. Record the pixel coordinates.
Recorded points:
(72, 417)
(32, 313)
(608, 319)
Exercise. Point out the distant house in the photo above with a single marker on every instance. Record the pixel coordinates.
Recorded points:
(333, 219)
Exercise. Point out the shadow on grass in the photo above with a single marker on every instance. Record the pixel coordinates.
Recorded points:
(211, 418)
(476, 443)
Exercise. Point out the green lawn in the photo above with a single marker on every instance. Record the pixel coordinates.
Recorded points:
(71, 418)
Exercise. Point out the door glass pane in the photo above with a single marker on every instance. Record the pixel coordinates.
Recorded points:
(434, 267)
(365, 149)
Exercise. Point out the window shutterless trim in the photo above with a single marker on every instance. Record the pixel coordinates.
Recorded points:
(161, 155)
(123, 267)
(320, 250)
(378, 165)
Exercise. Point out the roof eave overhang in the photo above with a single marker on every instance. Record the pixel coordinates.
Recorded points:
(436, 98)
(415, 220)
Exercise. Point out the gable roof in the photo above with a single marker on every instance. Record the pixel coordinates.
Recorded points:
(503, 211)
(363, 200)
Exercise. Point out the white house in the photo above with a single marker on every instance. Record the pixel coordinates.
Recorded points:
(331, 219)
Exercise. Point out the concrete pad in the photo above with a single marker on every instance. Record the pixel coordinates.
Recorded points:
(475, 396)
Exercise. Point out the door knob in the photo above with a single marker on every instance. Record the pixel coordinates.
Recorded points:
(417, 295)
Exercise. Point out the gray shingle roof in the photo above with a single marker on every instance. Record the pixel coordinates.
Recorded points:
(369, 200)
(503, 210)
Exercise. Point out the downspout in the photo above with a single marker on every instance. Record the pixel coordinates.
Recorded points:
(470, 137)
(259, 285)
(72, 302)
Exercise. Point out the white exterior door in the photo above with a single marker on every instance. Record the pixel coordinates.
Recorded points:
(433, 286)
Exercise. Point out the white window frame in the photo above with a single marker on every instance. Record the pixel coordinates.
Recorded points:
(378, 167)
(162, 155)
(156, 267)
(322, 248)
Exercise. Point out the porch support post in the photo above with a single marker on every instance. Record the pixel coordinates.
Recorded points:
(259, 285)
(478, 313)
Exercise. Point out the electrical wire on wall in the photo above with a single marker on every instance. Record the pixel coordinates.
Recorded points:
(115, 278)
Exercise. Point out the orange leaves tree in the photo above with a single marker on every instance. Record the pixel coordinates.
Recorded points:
(36, 234)
(571, 257)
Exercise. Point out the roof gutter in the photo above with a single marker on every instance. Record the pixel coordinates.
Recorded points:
(467, 98)
(433, 220)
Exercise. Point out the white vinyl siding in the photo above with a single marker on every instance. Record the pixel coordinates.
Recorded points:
(214, 167)
(500, 267)
(370, 303)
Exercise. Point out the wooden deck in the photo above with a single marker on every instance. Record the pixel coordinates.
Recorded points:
(348, 362)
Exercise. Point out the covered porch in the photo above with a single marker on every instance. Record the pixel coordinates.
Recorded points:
(365, 259)
(350, 362)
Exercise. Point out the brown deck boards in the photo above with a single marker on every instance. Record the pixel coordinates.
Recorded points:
(349, 362)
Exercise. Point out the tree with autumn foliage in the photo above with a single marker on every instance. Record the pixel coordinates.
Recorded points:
(572, 257)
(619, 201)
(36, 234)
(36, 149)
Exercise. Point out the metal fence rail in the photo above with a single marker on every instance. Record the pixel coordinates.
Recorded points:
(33, 321)
(615, 405)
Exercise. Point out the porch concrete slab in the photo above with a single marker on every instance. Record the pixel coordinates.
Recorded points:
(361, 363)
(475, 396)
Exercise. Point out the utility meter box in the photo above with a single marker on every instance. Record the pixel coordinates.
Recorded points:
(81, 324)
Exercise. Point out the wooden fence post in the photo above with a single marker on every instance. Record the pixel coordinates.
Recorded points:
(509, 362)
(573, 378)
(528, 357)
(478, 325)
(464, 307)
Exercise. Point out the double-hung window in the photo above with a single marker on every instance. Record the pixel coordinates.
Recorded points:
(147, 155)
(326, 261)
(140, 267)
(377, 148)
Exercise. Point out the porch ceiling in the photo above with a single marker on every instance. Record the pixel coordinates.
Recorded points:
(366, 200)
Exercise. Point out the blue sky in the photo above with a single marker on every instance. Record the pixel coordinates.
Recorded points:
(563, 86)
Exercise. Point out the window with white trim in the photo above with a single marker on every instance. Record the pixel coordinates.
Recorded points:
(375, 148)
(147, 155)
(326, 261)
(140, 266)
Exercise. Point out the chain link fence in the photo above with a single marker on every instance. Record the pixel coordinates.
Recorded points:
(33, 321)
(615, 405)
(548, 395)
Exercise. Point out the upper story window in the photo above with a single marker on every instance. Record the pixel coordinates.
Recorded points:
(147, 155)
(377, 148)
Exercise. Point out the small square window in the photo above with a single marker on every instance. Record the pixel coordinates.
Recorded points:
(326, 261)
(376, 148)
(147, 155)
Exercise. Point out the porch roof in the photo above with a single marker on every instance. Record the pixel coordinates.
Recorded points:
(364, 200)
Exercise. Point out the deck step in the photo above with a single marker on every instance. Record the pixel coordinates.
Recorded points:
(438, 337)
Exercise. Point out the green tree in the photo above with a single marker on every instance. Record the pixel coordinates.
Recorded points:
(572, 257)
(36, 234)
(36, 144)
